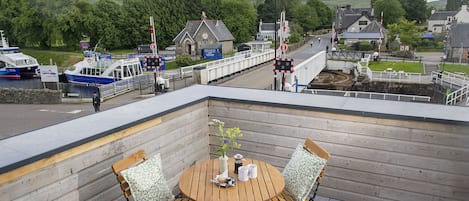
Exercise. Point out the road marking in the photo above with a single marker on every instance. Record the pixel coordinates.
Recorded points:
(55, 111)
(74, 111)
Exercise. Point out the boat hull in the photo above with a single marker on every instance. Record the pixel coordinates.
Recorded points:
(86, 79)
(18, 73)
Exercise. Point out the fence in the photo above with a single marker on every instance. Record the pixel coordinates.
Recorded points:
(458, 96)
(400, 76)
(452, 80)
(123, 86)
(370, 95)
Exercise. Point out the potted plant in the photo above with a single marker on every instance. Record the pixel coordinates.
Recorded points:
(227, 138)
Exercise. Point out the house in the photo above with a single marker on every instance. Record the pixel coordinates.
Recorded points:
(372, 33)
(441, 21)
(458, 43)
(350, 19)
(202, 34)
(267, 30)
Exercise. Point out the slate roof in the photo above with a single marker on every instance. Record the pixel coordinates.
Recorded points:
(442, 15)
(217, 27)
(373, 27)
(348, 20)
(458, 35)
(268, 27)
(346, 16)
(360, 35)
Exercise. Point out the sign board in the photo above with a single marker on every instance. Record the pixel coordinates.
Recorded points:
(283, 65)
(212, 53)
(284, 47)
(49, 74)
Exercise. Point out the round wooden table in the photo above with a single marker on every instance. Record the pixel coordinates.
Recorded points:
(195, 183)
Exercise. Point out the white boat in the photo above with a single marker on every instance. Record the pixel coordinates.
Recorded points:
(13, 63)
(101, 69)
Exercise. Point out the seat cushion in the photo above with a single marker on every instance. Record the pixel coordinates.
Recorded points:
(301, 172)
(147, 182)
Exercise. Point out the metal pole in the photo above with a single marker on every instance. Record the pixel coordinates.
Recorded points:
(275, 42)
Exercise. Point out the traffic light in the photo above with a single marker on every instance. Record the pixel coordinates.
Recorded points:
(152, 61)
(283, 65)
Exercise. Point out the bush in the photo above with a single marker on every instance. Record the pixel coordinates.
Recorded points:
(365, 46)
(294, 38)
(184, 60)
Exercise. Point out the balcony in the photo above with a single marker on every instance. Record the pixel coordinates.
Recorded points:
(380, 150)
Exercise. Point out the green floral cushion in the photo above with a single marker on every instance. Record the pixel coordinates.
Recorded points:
(147, 182)
(301, 172)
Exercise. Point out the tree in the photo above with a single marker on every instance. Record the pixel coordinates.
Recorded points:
(107, 24)
(393, 10)
(325, 14)
(406, 30)
(306, 17)
(415, 10)
(452, 5)
(239, 17)
(266, 11)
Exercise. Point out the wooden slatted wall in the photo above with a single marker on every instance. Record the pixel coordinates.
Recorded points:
(85, 173)
(371, 158)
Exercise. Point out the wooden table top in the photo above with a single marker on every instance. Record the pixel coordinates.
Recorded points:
(195, 182)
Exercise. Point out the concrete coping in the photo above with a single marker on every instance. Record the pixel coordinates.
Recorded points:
(29, 147)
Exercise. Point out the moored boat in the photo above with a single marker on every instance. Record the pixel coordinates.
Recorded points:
(101, 69)
(14, 64)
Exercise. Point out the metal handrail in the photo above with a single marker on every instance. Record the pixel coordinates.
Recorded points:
(371, 95)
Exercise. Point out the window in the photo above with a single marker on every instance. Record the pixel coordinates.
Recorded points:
(363, 22)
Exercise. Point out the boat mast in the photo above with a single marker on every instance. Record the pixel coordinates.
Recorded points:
(3, 42)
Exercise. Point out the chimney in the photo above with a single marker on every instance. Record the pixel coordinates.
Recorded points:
(464, 7)
(433, 11)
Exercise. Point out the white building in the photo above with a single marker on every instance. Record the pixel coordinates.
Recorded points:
(441, 21)
(267, 30)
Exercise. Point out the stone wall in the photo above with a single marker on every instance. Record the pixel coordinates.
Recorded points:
(30, 96)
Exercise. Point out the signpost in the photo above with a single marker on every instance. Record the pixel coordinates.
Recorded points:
(282, 64)
(49, 74)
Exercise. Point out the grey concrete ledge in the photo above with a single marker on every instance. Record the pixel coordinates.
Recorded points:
(41, 143)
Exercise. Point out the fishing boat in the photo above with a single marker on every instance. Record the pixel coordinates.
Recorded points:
(14, 64)
(101, 69)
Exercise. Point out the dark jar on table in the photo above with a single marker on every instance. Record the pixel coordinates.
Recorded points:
(238, 162)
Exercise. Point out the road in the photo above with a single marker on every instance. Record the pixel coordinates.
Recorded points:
(263, 77)
(18, 118)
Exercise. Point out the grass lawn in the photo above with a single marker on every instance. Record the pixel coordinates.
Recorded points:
(408, 67)
(62, 59)
(455, 68)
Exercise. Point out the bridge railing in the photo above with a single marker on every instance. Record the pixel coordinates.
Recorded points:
(237, 64)
(187, 71)
(307, 70)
